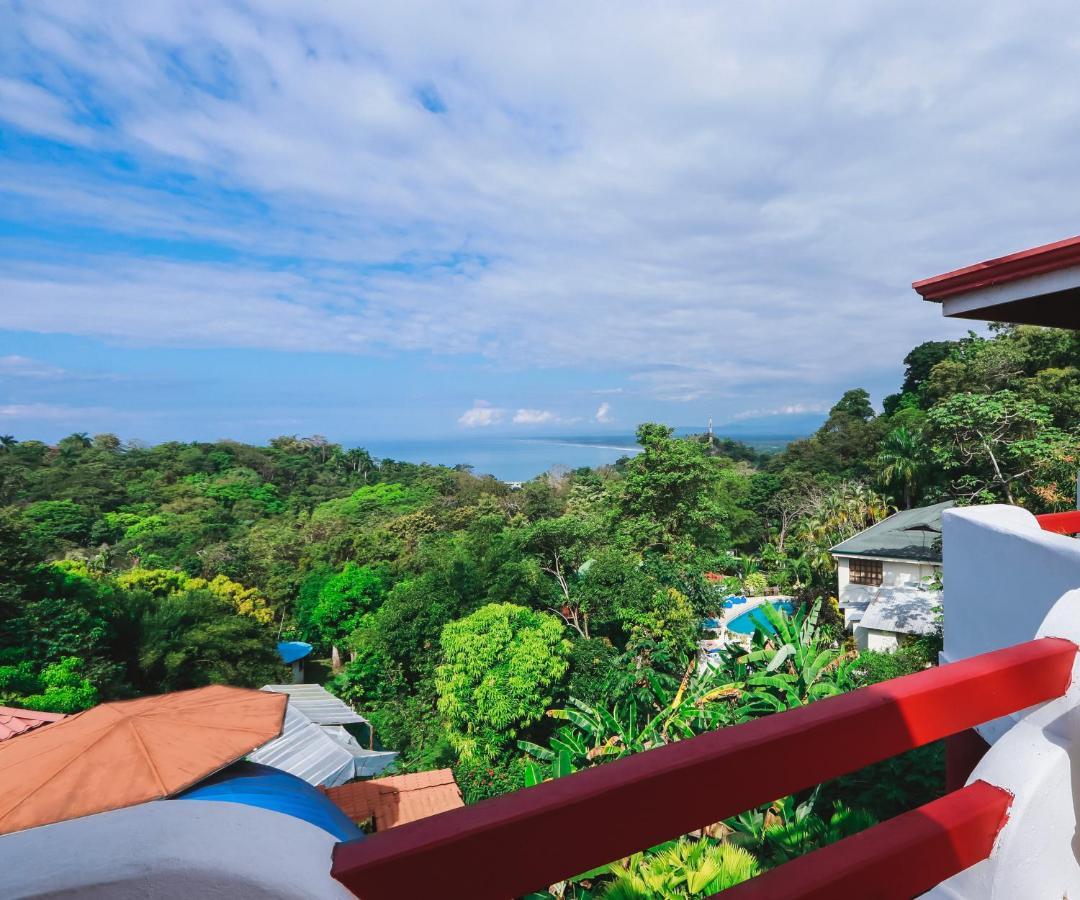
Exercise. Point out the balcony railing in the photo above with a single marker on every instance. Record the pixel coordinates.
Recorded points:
(529, 839)
(1060, 523)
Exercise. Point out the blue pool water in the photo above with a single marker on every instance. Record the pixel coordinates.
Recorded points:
(745, 623)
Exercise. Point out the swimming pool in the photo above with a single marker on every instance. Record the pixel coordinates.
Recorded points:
(744, 624)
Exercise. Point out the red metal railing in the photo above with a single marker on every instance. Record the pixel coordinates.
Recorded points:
(1061, 523)
(525, 840)
(900, 858)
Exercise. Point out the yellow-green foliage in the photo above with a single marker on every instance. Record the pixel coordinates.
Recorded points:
(164, 582)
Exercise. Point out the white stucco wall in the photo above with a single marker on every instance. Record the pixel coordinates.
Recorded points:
(1002, 575)
(873, 639)
(1036, 760)
(172, 850)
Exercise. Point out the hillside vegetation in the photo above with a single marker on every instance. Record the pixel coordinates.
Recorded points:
(514, 635)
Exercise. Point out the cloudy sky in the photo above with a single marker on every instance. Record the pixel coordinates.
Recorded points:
(394, 219)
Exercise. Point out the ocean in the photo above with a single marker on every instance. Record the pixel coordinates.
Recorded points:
(523, 458)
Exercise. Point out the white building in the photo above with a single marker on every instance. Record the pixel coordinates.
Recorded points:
(884, 577)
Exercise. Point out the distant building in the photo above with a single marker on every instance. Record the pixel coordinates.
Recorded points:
(884, 575)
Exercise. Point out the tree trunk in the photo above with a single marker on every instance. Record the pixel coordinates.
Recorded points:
(335, 658)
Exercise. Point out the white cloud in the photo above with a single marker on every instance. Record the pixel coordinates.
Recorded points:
(744, 193)
(535, 417)
(603, 413)
(51, 411)
(790, 409)
(481, 415)
(15, 366)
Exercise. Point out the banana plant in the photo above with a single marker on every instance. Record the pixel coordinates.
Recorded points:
(785, 829)
(592, 735)
(789, 665)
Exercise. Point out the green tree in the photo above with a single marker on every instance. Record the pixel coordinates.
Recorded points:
(502, 665)
(343, 600)
(995, 444)
(902, 461)
(674, 497)
(54, 522)
(60, 687)
(192, 639)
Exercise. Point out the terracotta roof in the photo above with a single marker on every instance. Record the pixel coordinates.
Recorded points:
(398, 799)
(16, 721)
(131, 751)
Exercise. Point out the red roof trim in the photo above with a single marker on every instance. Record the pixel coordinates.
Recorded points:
(1036, 261)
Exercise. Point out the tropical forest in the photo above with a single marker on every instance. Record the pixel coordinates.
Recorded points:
(522, 633)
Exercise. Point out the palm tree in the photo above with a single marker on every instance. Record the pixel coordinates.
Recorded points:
(7, 442)
(901, 462)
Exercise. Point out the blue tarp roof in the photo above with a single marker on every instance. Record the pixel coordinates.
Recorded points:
(291, 651)
(268, 788)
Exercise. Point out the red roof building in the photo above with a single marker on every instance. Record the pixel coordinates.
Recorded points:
(14, 722)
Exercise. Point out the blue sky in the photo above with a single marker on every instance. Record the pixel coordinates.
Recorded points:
(391, 220)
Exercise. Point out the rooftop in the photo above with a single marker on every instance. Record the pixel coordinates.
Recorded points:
(1038, 286)
(913, 534)
(17, 721)
(398, 799)
(318, 704)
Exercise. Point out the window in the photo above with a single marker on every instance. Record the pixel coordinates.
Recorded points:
(865, 571)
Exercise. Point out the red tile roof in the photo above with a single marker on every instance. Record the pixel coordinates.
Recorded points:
(398, 799)
(16, 721)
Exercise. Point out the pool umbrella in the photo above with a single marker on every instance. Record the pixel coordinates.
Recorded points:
(120, 754)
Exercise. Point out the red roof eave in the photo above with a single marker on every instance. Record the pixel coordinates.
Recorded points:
(1035, 261)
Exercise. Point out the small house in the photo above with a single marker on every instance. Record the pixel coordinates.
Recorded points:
(887, 577)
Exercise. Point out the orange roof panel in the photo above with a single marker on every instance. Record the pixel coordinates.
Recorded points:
(398, 799)
(121, 754)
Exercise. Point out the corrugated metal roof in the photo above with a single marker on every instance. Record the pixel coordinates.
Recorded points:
(17, 721)
(398, 799)
(318, 704)
(317, 754)
(913, 534)
(903, 611)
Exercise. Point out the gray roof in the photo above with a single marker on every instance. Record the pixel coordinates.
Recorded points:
(903, 611)
(318, 704)
(913, 534)
(321, 756)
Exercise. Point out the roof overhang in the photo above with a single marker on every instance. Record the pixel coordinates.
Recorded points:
(911, 560)
(1040, 286)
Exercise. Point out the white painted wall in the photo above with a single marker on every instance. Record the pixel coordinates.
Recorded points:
(172, 850)
(1035, 854)
(874, 639)
(894, 573)
(1002, 576)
